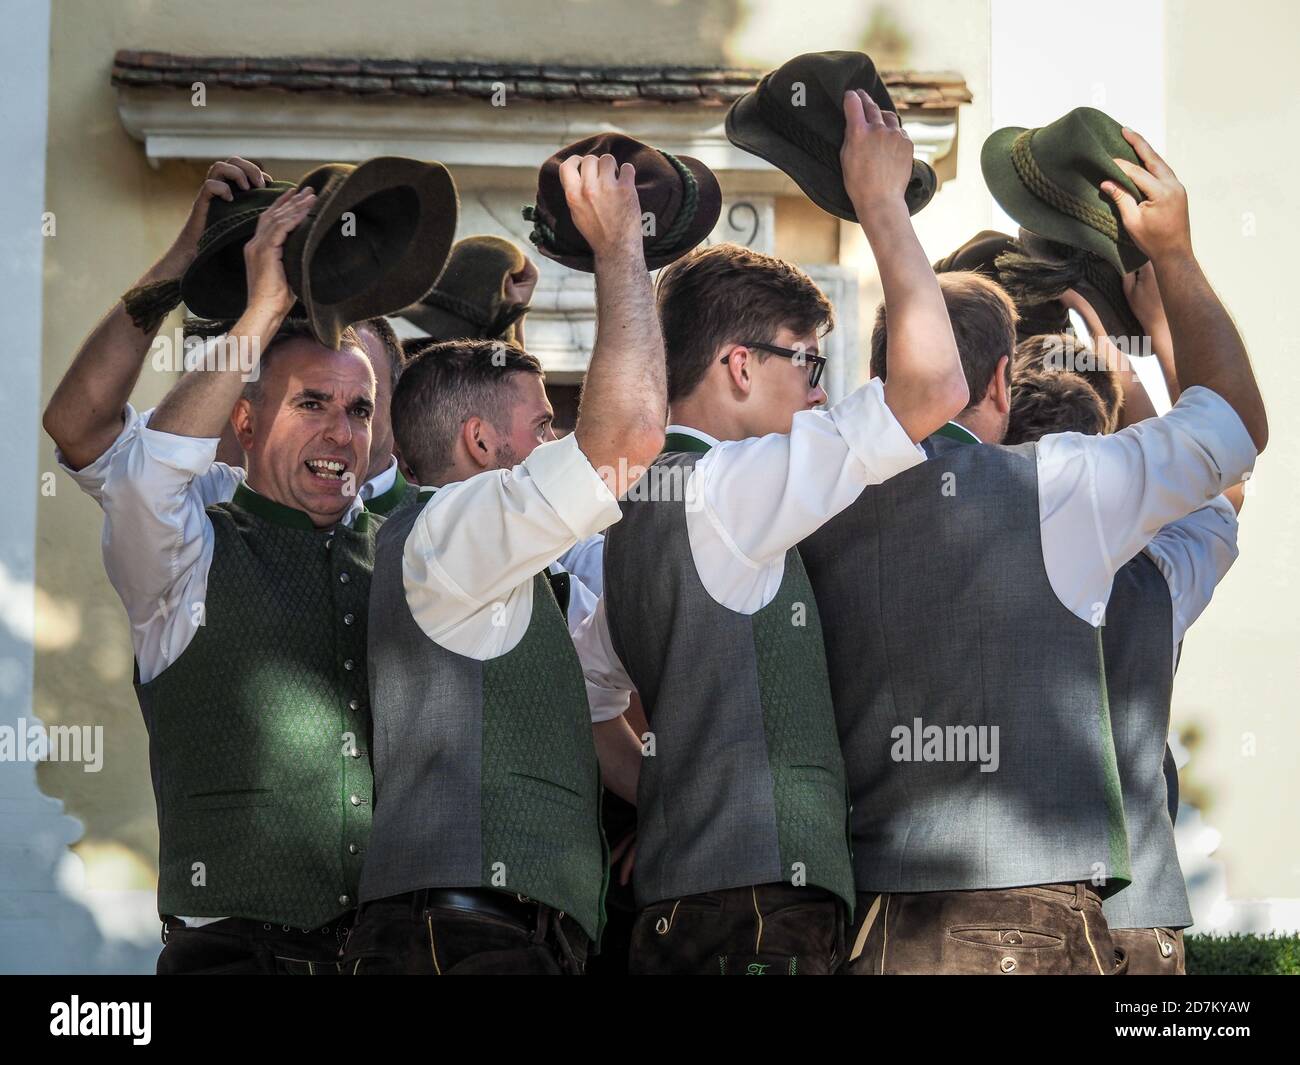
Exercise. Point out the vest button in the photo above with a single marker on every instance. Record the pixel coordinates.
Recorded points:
(329, 543)
(353, 849)
(348, 619)
(344, 578)
(345, 900)
(354, 704)
(355, 751)
(355, 800)
(348, 665)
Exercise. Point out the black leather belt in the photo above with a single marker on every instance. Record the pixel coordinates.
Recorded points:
(493, 903)
(242, 926)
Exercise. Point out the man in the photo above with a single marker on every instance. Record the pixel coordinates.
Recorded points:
(385, 488)
(248, 625)
(1155, 598)
(963, 600)
(741, 862)
(486, 853)
(1047, 400)
(90, 418)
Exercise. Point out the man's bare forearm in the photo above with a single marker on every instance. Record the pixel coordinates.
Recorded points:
(619, 753)
(1207, 349)
(84, 416)
(624, 399)
(925, 385)
(200, 403)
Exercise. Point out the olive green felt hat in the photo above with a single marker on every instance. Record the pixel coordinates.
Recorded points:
(469, 298)
(1049, 180)
(794, 119)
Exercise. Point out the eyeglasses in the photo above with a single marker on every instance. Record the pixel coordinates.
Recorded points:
(816, 363)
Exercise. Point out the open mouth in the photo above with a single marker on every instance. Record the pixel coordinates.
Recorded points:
(327, 469)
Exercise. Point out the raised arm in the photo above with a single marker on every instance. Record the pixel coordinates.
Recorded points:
(624, 405)
(84, 416)
(200, 403)
(1208, 350)
(926, 385)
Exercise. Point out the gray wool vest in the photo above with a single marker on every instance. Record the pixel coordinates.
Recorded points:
(485, 771)
(1138, 641)
(258, 731)
(941, 626)
(746, 782)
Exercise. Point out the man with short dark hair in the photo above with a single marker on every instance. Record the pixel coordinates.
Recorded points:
(248, 626)
(963, 601)
(486, 853)
(742, 865)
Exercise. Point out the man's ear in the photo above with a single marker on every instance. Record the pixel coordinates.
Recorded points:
(242, 419)
(1000, 386)
(740, 365)
(475, 434)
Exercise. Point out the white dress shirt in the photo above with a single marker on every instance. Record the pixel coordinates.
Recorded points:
(1102, 499)
(1194, 554)
(749, 501)
(216, 485)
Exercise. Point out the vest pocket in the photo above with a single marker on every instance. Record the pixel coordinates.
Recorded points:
(228, 799)
(553, 792)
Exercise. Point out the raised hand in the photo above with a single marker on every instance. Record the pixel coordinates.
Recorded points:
(603, 202)
(268, 288)
(1159, 225)
(876, 156)
(222, 179)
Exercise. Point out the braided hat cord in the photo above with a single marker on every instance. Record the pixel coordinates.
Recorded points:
(1027, 169)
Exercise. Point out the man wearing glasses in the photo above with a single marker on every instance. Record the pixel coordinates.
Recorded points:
(742, 861)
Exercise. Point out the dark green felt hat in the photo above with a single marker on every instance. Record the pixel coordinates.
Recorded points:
(1049, 180)
(794, 119)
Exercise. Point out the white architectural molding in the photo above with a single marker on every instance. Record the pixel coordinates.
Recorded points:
(462, 134)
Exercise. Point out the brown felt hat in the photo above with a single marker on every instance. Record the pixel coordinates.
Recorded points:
(794, 119)
(680, 194)
(386, 253)
(469, 299)
(980, 255)
(1095, 278)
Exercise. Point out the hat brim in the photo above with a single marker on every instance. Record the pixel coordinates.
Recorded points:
(822, 184)
(1029, 211)
(415, 269)
(707, 211)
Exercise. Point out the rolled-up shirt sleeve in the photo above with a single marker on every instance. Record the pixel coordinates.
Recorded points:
(1195, 554)
(469, 561)
(158, 541)
(90, 478)
(750, 501)
(1103, 498)
(609, 688)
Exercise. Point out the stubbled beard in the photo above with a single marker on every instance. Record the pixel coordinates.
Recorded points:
(506, 457)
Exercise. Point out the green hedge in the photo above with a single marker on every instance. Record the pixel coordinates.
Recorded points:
(1240, 955)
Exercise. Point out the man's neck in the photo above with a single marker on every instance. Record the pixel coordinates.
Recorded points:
(719, 424)
(986, 425)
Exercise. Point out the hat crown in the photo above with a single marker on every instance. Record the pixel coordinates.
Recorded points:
(659, 186)
(246, 206)
(809, 90)
(1083, 143)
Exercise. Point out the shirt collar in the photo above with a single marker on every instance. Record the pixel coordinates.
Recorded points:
(958, 432)
(688, 439)
(380, 482)
(277, 513)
